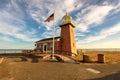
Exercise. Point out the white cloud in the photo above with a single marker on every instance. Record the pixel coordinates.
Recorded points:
(47, 34)
(82, 27)
(6, 38)
(12, 23)
(93, 15)
(113, 30)
(12, 18)
(40, 10)
(8, 29)
(8, 17)
(105, 44)
(15, 6)
(79, 34)
(69, 5)
(11, 30)
(14, 12)
(97, 14)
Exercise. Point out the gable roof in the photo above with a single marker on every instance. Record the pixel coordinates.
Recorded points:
(48, 39)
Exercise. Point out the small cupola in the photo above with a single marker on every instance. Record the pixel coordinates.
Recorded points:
(67, 19)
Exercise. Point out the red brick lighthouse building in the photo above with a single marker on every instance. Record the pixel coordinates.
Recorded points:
(65, 44)
(68, 44)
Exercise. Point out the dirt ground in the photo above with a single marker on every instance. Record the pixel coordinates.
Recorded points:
(110, 57)
(22, 68)
(36, 69)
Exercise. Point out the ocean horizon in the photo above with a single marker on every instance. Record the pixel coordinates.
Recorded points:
(3, 51)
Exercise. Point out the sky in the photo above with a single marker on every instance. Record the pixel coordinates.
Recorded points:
(22, 22)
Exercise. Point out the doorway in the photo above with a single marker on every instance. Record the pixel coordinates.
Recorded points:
(45, 48)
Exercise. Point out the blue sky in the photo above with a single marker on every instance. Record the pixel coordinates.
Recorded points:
(22, 22)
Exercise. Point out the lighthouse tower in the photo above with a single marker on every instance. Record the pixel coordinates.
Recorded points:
(68, 44)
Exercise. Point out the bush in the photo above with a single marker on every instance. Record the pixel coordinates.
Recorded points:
(58, 58)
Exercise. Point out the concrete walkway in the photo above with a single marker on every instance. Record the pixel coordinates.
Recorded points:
(17, 69)
(65, 58)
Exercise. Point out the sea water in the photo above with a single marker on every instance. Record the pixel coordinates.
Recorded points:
(3, 51)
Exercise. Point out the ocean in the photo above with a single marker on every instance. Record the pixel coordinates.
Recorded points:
(4, 51)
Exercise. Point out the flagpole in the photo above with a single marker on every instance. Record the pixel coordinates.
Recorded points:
(53, 36)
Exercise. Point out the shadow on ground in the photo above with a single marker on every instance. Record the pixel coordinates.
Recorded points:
(24, 59)
(114, 76)
(34, 60)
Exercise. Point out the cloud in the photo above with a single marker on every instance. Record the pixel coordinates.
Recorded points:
(8, 17)
(16, 32)
(12, 25)
(93, 15)
(17, 17)
(90, 15)
(97, 14)
(82, 27)
(112, 30)
(105, 33)
(8, 29)
(69, 5)
(6, 38)
(40, 12)
(47, 34)
(12, 13)
(105, 44)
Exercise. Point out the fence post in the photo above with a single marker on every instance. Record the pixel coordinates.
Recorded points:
(85, 58)
(101, 58)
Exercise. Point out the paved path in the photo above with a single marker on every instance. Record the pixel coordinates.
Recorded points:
(36, 69)
(65, 58)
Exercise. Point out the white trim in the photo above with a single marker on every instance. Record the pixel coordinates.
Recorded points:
(48, 41)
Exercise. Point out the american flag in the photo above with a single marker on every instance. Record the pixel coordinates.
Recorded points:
(51, 17)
